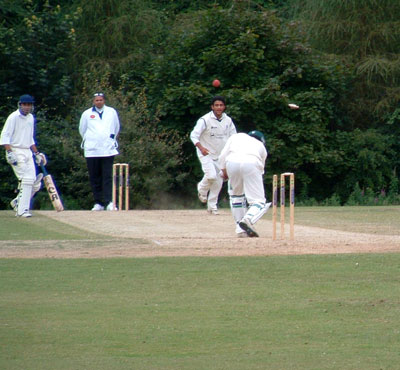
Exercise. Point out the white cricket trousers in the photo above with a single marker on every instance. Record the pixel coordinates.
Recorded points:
(246, 179)
(26, 174)
(25, 169)
(211, 181)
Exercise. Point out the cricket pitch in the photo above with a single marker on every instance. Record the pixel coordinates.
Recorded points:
(189, 233)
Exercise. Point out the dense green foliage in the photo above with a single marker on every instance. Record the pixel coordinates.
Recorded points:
(36, 44)
(262, 66)
(366, 35)
(156, 61)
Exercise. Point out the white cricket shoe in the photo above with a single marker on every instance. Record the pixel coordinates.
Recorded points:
(246, 225)
(98, 207)
(242, 235)
(213, 211)
(111, 207)
(14, 204)
(26, 214)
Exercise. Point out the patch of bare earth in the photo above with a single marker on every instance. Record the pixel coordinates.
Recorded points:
(187, 233)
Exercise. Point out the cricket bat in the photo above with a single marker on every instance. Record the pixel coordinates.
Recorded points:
(52, 190)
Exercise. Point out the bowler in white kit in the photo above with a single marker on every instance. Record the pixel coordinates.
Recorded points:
(209, 136)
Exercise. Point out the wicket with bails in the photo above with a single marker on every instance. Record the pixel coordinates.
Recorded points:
(121, 182)
(282, 204)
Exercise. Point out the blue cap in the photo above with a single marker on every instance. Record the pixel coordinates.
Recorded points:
(26, 99)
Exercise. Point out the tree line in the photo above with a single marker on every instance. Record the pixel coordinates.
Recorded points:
(155, 60)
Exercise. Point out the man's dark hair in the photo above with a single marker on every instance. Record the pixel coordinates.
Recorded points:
(220, 98)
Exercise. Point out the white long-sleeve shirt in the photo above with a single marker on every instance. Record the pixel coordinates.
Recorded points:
(242, 148)
(18, 131)
(99, 132)
(212, 133)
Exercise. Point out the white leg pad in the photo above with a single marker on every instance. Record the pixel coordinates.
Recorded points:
(37, 185)
(256, 211)
(238, 206)
(24, 199)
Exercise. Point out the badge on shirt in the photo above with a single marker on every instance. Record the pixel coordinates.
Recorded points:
(92, 116)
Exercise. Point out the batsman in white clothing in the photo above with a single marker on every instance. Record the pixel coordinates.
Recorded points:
(17, 139)
(209, 136)
(242, 161)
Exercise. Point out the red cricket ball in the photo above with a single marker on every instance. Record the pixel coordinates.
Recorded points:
(216, 83)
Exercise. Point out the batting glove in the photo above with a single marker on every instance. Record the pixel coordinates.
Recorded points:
(12, 158)
(40, 158)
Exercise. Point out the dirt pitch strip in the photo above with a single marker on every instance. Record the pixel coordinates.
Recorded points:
(187, 233)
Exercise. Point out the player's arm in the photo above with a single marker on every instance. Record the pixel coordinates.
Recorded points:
(34, 149)
(222, 159)
(196, 133)
(263, 155)
(7, 134)
(117, 125)
(224, 174)
(202, 149)
(83, 125)
(232, 130)
(5, 140)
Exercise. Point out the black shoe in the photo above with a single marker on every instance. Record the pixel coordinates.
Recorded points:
(248, 227)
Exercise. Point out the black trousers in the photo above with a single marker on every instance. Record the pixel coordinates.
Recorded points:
(100, 175)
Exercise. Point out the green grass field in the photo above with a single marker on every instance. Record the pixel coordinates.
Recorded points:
(278, 312)
(373, 220)
(39, 228)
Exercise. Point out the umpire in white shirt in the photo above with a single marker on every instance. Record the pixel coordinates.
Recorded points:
(209, 136)
(99, 127)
